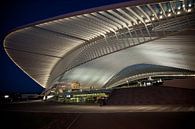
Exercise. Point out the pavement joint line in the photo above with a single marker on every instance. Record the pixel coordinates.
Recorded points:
(104, 109)
(72, 123)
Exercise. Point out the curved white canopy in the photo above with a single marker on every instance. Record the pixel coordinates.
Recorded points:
(89, 46)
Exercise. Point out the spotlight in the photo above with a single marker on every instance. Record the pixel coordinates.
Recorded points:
(153, 18)
(160, 16)
(189, 5)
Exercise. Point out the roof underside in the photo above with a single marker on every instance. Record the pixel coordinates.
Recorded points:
(94, 46)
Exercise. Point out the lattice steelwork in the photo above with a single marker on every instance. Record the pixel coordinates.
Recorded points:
(129, 26)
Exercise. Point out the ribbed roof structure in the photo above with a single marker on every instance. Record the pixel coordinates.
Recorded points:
(92, 46)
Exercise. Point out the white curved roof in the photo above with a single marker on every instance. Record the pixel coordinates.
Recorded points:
(60, 46)
(179, 54)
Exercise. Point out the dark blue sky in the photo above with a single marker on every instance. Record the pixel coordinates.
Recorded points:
(18, 13)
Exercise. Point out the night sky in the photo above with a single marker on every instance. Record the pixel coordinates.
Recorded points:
(18, 13)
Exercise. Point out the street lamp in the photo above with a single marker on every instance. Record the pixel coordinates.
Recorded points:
(127, 82)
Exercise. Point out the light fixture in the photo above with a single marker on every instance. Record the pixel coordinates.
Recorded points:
(190, 5)
(160, 12)
(153, 18)
(68, 96)
(169, 10)
(189, 10)
(160, 16)
(127, 82)
(178, 12)
(44, 98)
(50, 96)
(179, 8)
(169, 14)
(146, 20)
(6, 96)
(183, 5)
